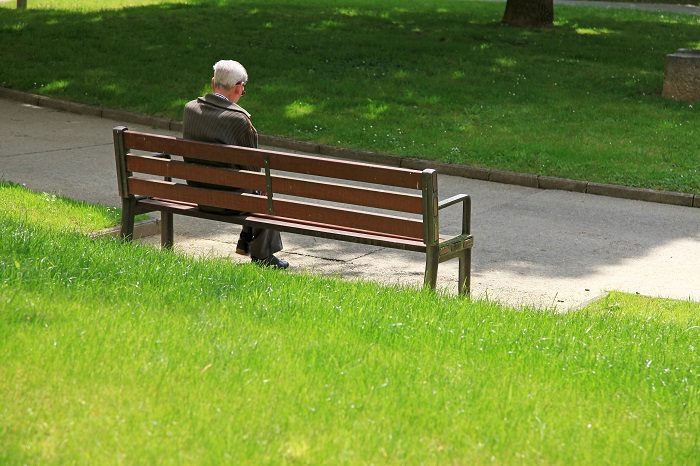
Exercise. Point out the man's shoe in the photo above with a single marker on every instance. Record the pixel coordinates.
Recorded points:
(271, 261)
(243, 247)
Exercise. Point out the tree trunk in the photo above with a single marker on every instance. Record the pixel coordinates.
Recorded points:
(21, 4)
(529, 13)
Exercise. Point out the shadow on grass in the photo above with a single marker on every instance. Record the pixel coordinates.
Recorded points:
(450, 56)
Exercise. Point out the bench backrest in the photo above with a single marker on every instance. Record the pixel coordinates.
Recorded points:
(401, 202)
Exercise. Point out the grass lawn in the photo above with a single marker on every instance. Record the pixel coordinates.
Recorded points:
(115, 353)
(440, 80)
(56, 212)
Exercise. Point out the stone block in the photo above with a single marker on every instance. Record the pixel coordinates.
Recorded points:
(682, 75)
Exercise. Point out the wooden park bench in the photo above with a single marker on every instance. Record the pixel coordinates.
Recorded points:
(307, 195)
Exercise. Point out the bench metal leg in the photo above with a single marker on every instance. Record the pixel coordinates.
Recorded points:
(126, 232)
(465, 265)
(166, 230)
(432, 260)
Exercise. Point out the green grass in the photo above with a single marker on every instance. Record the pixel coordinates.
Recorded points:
(48, 210)
(114, 353)
(55, 212)
(440, 80)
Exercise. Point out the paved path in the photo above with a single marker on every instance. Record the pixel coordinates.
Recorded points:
(533, 247)
(682, 9)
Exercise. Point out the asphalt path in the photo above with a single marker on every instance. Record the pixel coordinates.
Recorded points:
(663, 7)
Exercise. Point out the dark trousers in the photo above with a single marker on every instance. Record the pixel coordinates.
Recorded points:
(263, 242)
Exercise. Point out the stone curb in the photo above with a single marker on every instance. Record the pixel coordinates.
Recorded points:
(649, 195)
(485, 174)
(90, 110)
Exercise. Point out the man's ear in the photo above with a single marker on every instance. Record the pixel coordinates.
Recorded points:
(212, 84)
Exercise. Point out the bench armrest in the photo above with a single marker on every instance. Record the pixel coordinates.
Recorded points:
(466, 209)
(453, 200)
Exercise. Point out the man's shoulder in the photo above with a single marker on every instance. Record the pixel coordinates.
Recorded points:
(213, 101)
(192, 104)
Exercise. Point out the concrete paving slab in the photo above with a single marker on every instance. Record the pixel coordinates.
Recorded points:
(533, 247)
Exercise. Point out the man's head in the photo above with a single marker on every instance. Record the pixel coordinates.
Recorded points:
(229, 79)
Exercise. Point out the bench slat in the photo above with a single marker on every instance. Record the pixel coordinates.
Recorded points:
(203, 173)
(180, 192)
(286, 225)
(342, 169)
(350, 218)
(387, 200)
(303, 164)
(380, 199)
(193, 149)
(286, 208)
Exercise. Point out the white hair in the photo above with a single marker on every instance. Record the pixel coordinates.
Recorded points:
(228, 73)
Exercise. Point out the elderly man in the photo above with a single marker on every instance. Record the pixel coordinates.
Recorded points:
(218, 118)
